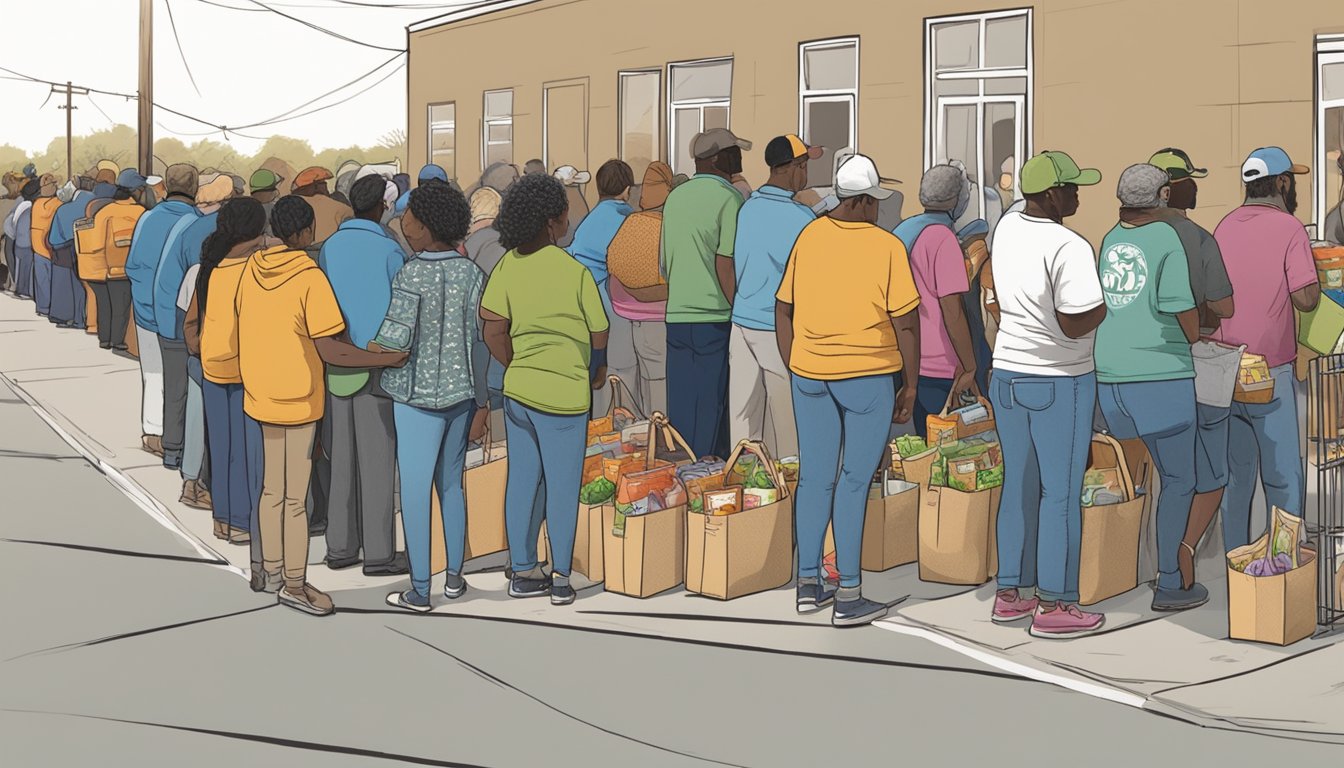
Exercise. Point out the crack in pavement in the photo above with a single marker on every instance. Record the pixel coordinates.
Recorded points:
(508, 686)
(137, 633)
(113, 551)
(6, 453)
(260, 739)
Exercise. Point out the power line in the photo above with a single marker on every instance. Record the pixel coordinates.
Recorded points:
(172, 22)
(333, 90)
(323, 30)
(100, 109)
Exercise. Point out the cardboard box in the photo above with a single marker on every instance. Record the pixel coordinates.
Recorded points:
(957, 541)
(740, 554)
(486, 533)
(1279, 610)
(891, 531)
(587, 558)
(651, 555)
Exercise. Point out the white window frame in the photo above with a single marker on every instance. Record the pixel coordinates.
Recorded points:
(620, 110)
(699, 104)
(933, 122)
(850, 95)
(430, 124)
(487, 122)
(1329, 50)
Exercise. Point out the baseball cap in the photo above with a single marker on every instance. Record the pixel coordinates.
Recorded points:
(715, 140)
(130, 179)
(432, 171)
(1177, 164)
(1055, 169)
(107, 165)
(311, 175)
(857, 176)
(182, 179)
(48, 181)
(571, 176)
(1269, 161)
(787, 148)
(1141, 186)
(264, 180)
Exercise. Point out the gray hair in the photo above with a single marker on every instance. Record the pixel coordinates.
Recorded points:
(941, 187)
(1141, 186)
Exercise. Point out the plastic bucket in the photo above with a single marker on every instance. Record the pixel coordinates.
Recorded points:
(1216, 368)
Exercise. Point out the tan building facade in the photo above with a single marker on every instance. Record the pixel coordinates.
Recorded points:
(908, 82)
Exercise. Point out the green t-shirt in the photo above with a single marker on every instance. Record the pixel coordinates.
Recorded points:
(1146, 281)
(553, 308)
(699, 224)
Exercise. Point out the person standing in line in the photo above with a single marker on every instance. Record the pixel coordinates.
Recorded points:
(574, 181)
(1145, 371)
(545, 323)
(43, 212)
(265, 186)
(699, 233)
(767, 227)
(13, 183)
(22, 225)
(589, 247)
(181, 182)
(440, 396)
(361, 261)
(948, 366)
(632, 260)
(845, 320)
(330, 213)
(67, 294)
(108, 238)
(1269, 261)
(483, 248)
(430, 172)
(1044, 392)
(288, 327)
(1211, 290)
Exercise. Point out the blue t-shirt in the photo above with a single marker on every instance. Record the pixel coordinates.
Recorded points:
(594, 236)
(181, 252)
(360, 262)
(1146, 280)
(63, 224)
(151, 234)
(767, 227)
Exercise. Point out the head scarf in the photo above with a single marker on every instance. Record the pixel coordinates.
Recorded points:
(657, 185)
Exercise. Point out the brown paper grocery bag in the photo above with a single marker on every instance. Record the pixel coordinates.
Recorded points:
(650, 556)
(1108, 563)
(587, 542)
(484, 486)
(957, 541)
(891, 531)
(1279, 610)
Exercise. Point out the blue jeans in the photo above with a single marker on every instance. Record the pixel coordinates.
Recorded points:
(1045, 428)
(1163, 414)
(432, 453)
(1263, 437)
(193, 441)
(42, 284)
(67, 296)
(543, 448)
(930, 398)
(697, 384)
(1211, 447)
(236, 460)
(23, 272)
(842, 427)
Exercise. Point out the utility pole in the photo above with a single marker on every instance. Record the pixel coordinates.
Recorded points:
(146, 121)
(70, 92)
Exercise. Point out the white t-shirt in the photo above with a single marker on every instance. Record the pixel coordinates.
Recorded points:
(1040, 268)
(187, 290)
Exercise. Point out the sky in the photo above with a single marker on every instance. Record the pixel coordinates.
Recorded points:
(249, 66)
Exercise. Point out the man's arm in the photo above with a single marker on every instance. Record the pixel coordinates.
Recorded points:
(191, 326)
(1306, 299)
(1078, 325)
(1222, 308)
(784, 330)
(959, 329)
(907, 340)
(339, 352)
(1189, 321)
(723, 265)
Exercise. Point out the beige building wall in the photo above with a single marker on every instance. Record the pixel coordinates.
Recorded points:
(1112, 81)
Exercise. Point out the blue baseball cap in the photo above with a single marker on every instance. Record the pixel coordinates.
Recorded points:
(1269, 161)
(130, 179)
(432, 171)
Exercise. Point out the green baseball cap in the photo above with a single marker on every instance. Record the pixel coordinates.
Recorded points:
(264, 180)
(1177, 164)
(1055, 169)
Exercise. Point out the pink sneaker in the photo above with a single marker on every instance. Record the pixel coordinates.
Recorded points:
(1064, 621)
(1010, 606)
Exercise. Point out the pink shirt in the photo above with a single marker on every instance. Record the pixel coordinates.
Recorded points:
(1268, 257)
(940, 270)
(630, 308)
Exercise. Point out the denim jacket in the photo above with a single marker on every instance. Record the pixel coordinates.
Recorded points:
(435, 315)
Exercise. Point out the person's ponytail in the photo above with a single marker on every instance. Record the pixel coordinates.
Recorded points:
(239, 220)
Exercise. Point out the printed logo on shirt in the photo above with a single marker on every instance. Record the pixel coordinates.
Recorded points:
(1124, 274)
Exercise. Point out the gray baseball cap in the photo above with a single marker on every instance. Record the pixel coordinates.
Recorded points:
(1141, 186)
(715, 140)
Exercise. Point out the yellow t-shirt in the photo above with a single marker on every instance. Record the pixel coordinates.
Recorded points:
(846, 281)
(219, 326)
(284, 302)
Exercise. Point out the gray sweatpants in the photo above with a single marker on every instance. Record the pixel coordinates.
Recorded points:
(174, 354)
(363, 450)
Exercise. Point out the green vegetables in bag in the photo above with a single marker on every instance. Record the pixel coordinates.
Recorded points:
(910, 445)
(600, 491)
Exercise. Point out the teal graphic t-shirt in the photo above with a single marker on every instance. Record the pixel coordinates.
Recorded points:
(1146, 281)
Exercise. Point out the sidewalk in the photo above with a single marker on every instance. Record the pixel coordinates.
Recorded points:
(1182, 666)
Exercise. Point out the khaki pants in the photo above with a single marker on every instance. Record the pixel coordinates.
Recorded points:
(282, 516)
(759, 383)
(650, 340)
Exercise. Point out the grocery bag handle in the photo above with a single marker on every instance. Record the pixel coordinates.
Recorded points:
(621, 396)
(762, 453)
(671, 438)
(1121, 463)
(981, 399)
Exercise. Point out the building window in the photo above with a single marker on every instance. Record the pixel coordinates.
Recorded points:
(639, 97)
(1329, 135)
(699, 94)
(497, 128)
(443, 137)
(977, 102)
(828, 102)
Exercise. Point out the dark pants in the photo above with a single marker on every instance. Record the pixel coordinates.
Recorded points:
(363, 451)
(102, 301)
(930, 398)
(67, 296)
(235, 455)
(114, 312)
(23, 272)
(174, 400)
(697, 384)
(42, 284)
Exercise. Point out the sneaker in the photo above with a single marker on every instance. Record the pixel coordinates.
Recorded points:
(151, 444)
(454, 586)
(203, 497)
(221, 530)
(269, 583)
(397, 566)
(1010, 606)
(239, 536)
(561, 594)
(520, 586)
(1180, 599)
(308, 599)
(410, 600)
(341, 563)
(194, 496)
(854, 613)
(813, 597)
(1064, 621)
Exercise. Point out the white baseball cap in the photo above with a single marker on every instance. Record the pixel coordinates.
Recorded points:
(571, 176)
(857, 175)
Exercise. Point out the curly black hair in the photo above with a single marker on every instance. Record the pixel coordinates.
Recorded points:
(239, 220)
(367, 194)
(443, 210)
(528, 205)
(290, 216)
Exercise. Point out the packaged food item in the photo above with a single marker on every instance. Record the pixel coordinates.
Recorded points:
(788, 467)
(751, 472)
(697, 487)
(908, 445)
(1243, 556)
(634, 486)
(725, 501)
(896, 486)
(614, 468)
(941, 429)
(1287, 537)
(599, 491)
(989, 478)
(961, 474)
(764, 497)
(598, 427)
